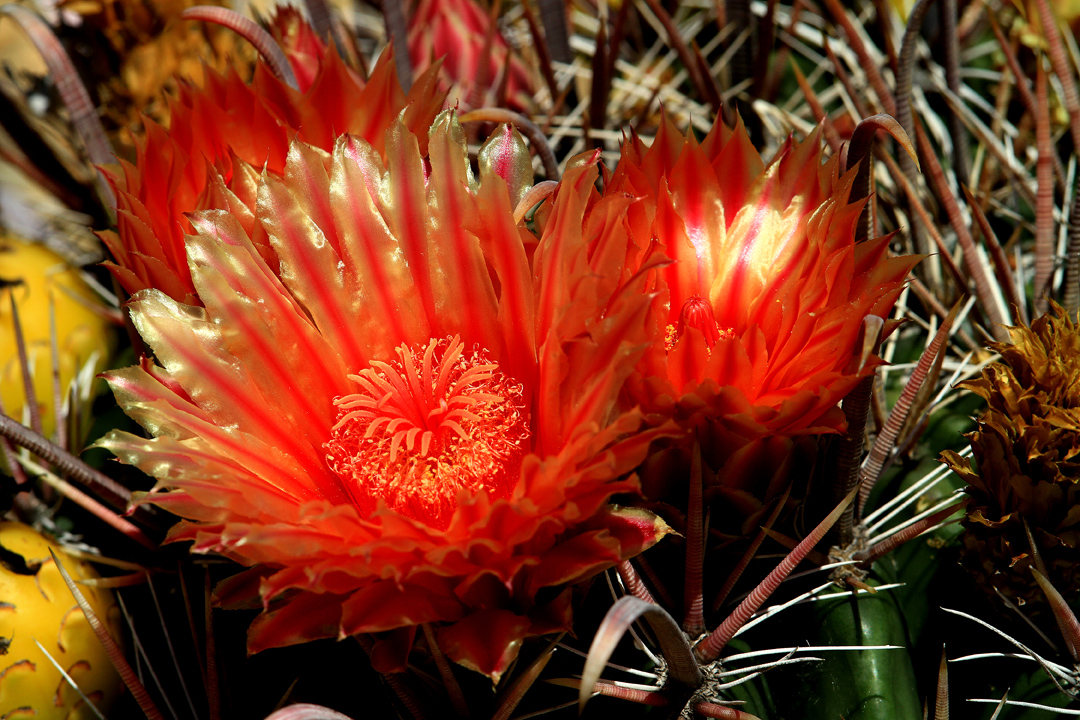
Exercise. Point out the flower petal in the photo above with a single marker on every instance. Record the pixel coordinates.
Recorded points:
(487, 641)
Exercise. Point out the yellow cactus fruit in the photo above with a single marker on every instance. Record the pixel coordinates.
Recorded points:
(35, 603)
(28, 272)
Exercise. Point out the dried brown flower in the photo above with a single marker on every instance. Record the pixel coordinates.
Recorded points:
(1026, 461)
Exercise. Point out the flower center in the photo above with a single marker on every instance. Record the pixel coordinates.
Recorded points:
(428, 426)
(697, 313)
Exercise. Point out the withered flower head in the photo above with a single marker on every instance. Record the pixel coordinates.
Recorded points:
(135, 53)
(1026, 466)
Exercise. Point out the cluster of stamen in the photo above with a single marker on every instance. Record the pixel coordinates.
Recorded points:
(697, 313)
(428, 426)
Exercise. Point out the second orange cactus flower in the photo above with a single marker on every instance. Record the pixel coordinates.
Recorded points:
(757, 317)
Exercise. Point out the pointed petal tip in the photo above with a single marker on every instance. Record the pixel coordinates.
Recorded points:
(872, 325)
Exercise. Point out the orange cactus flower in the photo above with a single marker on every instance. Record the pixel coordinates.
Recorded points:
(302, 46)
(758, 315)
(398, 421)
(477, 60)
(222, 135)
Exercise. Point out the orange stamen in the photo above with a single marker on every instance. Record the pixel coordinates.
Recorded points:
(697, 313)
(428, 426)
